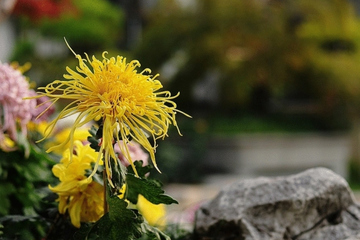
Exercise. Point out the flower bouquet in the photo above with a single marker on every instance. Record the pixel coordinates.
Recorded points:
(102, 188)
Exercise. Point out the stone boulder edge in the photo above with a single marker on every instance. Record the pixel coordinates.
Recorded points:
(314, 204)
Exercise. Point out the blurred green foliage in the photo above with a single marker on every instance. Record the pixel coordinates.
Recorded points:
(24, 193)
(95, 26)
(264, 50)
(91, 28)
(282, 66)
(267, 54)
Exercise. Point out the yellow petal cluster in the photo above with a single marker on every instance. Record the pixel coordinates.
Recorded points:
(79, 195)
(130, 104)
(80, 134)
(7, 144)
(83, 198)
(153, 213)
(59, 136)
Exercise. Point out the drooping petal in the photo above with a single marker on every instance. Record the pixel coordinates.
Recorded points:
(79, 195)
(127, 102)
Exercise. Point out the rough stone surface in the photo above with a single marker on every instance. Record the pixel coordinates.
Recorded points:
(316, 204)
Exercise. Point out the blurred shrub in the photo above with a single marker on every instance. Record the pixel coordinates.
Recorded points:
(245, 40)
(23, 192)
(264, 51)
(87, 26)
(93, 26)
(330, 34)
(90, 28)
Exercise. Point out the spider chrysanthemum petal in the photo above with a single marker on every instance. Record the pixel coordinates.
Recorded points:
(129, 104)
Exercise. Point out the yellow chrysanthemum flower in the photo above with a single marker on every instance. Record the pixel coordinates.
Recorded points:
(80, 134)
(128, 103)
(60, 136)
(83, 198)
(85, 204)
(79, 195)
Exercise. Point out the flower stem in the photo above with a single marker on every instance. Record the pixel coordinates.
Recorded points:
(106, 209)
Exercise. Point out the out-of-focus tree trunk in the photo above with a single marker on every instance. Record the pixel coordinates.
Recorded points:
(133, 22)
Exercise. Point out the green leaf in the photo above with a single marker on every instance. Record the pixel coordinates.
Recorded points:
(23, 227)
(18, 218)
(6, 189)
(152, 233)
(94, 139)
(83, 232)
(24, 144)
(40, 155)
(141, 170)
(118, 223)
(150, 189)
(118, 175)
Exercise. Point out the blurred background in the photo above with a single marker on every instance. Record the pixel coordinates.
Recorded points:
(273, 86)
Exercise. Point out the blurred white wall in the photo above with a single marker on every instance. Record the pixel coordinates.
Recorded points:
(7, 40)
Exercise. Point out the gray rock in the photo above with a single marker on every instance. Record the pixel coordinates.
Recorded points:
(314, 204)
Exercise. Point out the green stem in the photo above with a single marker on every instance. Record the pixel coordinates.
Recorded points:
(106, 209)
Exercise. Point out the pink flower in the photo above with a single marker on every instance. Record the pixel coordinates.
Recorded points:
(136, 153)
(14, 109)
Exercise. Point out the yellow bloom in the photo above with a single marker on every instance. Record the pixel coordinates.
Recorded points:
(37, 126)
(7, 144)
(83, 198)
(23, 68)
(153, 213)
(80, 134)
(83, 202)
(78, 194)
(59, 136)
(128, 103)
